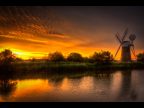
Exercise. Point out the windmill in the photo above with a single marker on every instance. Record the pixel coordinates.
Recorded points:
(127, 46)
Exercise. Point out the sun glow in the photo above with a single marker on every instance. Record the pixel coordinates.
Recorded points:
(24, 54)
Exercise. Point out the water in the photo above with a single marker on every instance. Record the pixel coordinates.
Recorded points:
(116, 86)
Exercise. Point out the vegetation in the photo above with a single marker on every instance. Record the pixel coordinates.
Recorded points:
(56, 62)
(56, 57)
(75, 57)
(140, 57)
(7, 57)
(103, 57)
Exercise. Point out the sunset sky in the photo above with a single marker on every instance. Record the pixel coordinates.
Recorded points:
(36, 31)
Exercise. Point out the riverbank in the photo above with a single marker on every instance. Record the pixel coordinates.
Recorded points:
(72, 66)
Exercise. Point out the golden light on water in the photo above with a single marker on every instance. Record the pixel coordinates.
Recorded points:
(66, 88)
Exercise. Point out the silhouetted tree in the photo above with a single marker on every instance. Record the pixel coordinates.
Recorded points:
(7, 57)
(75, 57)
(103, 57)
(56, 57)
(140, 57)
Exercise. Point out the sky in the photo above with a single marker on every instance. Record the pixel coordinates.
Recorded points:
(36, 31)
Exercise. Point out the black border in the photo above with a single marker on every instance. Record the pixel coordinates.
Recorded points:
(69, 104)
(72, 2)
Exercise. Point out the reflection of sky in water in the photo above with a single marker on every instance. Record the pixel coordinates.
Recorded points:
(118, 86)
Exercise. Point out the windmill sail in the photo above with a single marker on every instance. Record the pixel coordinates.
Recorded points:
(117, 36)
(133, 51)
(118, 50)
(124, 35)
(121, 40)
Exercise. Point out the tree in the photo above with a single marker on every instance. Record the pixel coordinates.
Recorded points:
(75, 57)
(103, 57)
(6, 57)
(140, 57)
(56, 57)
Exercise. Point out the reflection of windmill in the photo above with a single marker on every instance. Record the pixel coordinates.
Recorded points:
(127, 46)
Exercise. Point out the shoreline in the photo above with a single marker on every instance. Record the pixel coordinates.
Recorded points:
(74, 66)
(57, 70)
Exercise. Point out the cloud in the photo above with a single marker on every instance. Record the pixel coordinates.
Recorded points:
(66, 29)
(11, 38)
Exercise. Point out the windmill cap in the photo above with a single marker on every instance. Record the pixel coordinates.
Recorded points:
(126, 43)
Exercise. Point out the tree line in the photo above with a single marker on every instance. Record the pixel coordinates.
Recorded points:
(99, 57)
(103, 57)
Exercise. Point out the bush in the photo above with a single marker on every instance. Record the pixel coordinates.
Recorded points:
(75, 57)
(56, 57)
(140, 57)
(103, 57)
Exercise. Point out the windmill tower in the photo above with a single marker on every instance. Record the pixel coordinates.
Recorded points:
(127, 46)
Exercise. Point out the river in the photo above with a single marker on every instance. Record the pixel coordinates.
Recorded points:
(118, 86)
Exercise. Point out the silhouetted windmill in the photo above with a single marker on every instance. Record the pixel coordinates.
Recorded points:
(127, 46)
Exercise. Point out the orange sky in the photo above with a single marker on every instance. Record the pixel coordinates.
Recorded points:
(36, 32)
(38, 48)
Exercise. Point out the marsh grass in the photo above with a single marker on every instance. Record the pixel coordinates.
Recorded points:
(73, 66)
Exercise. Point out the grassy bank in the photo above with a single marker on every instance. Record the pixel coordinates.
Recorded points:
(72, 66)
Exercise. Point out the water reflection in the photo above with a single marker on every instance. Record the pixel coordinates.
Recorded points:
(90, 86)
(127, 91)
(7, 87)
(56, 81)
(125, 84)
(101, 87)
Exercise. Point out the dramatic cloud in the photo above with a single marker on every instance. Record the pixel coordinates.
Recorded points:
(37, 31)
